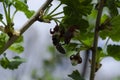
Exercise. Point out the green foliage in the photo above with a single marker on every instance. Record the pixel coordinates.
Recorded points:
(20, 39)
(100, 54)
(17, 46)
(71, 47)
(79, 7)
(113, 29)
(112, 7)
(76, 75)
(12, 63)
(15, 62)
(74, 12)
(3, 40)
(114, 51)
(117, 3)
(21, 6)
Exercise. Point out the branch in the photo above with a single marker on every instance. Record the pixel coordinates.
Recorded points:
(26, 25)
(96, 35)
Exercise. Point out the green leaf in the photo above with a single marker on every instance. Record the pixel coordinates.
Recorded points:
(25, 1)
(77, 8)
(112, 7)
(74, 12)
(71, 48)
(29, 13)
(114, 51)
(15, 62)
(115, 24)
(76, 75)
(103, 18)
(19, 40)
(113, 31)
(73, 3)
(21, 6)
(4, 62)
(3, 40)
(12, 63)
(115, 20)
(117, 4)
(82, 23)
(85, 38)
(17, 47)
(100, 55)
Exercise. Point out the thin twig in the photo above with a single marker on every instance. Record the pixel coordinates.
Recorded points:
(96, 35)
(55, 9)
(26, 25)
(5, 12)
(87, 53)
(57, 14)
